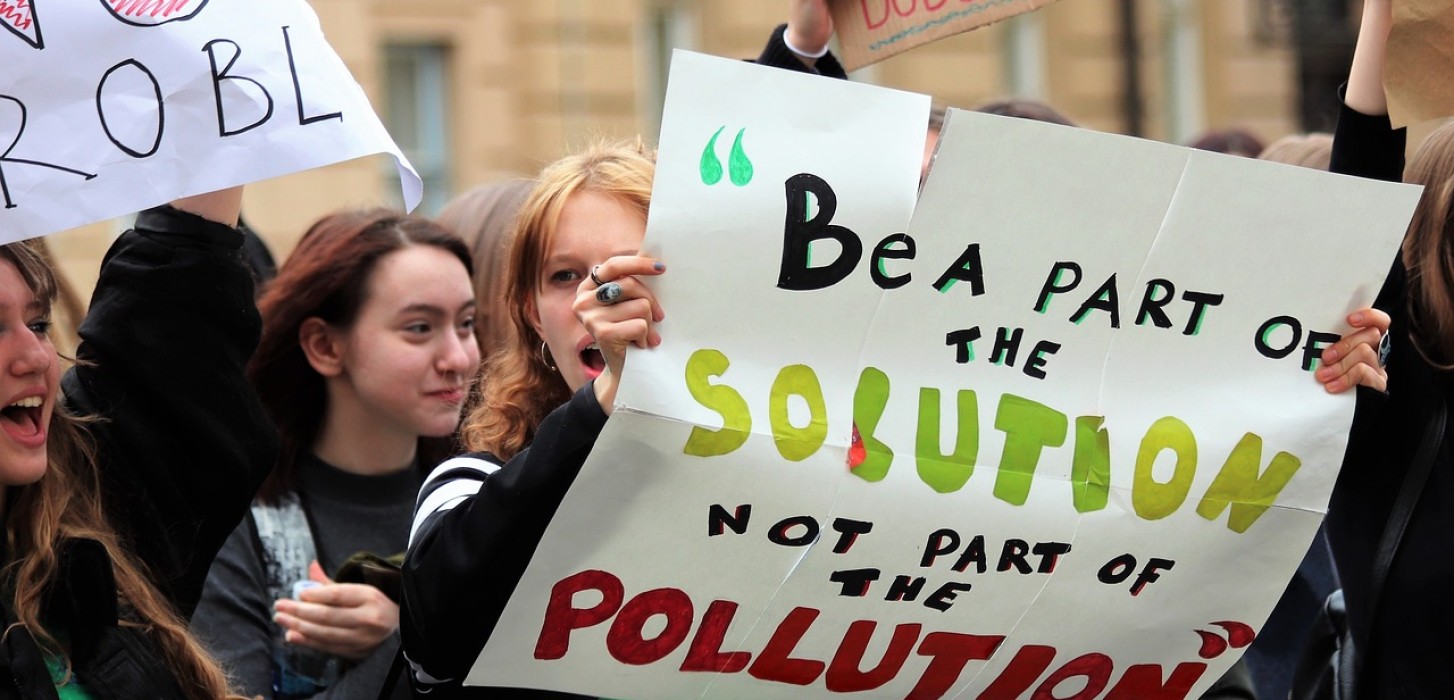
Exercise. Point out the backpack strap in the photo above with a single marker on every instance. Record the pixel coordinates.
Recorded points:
(1398, 520)
(284, 542)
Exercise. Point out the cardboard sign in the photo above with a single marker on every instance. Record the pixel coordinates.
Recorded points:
(112, 106)
(1420, 60)
(1056, 435)
(872, 30)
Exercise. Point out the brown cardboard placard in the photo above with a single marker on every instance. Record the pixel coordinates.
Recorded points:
(1420, 61)
(872, 30)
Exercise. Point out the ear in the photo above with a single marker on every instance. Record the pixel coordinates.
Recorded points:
(322, 346)
(532, 313)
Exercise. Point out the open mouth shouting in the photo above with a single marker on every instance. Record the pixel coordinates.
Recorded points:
(592, 361)
(23, 420)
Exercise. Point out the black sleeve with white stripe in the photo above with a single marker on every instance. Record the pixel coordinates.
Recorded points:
(477, 524)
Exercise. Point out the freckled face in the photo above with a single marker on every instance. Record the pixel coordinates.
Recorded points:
(411, 350)
(593, 227)
(29, 380)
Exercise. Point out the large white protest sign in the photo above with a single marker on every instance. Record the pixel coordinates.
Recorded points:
(110, 106)
(1090, 450)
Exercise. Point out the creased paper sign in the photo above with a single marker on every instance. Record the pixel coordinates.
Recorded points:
(872, 30)
(110, 106)
(1054, 437)
(1420, 61)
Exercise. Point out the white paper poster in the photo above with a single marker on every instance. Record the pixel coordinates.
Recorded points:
(1056, 437)
(111, 106)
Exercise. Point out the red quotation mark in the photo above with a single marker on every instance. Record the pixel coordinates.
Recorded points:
(1239, 635)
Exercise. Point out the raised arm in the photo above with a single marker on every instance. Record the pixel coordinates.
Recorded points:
(802, 44)
(222, 206)
(183, 443)
(476, 528)
(1365, 79)
(810, 26)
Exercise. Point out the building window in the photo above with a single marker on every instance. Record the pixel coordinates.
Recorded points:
(416, 109)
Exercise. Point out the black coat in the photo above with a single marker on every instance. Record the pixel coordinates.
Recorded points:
(1404, 645)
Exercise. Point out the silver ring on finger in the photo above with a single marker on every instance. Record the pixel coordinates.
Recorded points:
(594, 277)
(609, 293)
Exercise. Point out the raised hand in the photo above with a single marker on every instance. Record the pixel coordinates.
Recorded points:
(810, 25)
(619, 311)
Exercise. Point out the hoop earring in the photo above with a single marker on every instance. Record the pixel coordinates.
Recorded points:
(546, 359)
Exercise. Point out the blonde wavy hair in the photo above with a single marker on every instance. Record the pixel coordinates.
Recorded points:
(65, 503)
(519, 384)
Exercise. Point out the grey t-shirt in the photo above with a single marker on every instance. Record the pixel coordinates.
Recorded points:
(349, 514)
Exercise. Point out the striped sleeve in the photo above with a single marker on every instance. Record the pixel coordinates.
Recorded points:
(449, 485)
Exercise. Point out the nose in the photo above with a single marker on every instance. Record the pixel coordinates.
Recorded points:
(459, 355)
(30, 355)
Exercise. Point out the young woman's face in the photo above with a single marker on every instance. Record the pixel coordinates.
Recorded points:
(408, 358)
(593, 227)
(28, 386)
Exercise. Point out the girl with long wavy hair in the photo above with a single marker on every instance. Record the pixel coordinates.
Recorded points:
(367, 350)
(123, 478)
(546, 394)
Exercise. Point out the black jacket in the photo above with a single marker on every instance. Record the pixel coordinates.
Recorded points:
(182, 444)
(465, 559)
(1405, 645)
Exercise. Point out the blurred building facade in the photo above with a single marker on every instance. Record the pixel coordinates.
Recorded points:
(477, 90)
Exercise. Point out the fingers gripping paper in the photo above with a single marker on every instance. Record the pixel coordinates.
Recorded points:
(1055, 434)
(111, 106)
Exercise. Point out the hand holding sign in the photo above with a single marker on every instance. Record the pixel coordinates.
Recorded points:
(810, 25)
(1355, 359)
(619, 312)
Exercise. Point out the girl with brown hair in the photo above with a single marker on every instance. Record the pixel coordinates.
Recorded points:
(123, 478)
(366, 353)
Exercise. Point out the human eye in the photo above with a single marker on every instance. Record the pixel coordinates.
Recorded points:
(565, 277)
(418, 328)
(40, 326)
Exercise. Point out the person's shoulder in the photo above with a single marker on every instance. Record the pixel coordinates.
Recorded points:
(451, 483)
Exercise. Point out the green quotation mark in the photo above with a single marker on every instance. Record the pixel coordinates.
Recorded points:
(739, 167)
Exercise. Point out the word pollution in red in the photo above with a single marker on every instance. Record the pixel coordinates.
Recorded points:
(1033, 669)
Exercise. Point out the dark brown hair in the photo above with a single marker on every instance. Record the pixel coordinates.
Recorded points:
(327, 277)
